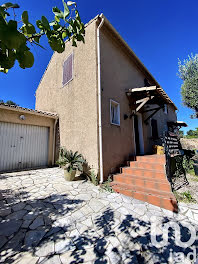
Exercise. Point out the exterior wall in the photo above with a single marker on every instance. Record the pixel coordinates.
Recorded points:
(162, 120)
(12, 116)
(76, 102)
(118, 73)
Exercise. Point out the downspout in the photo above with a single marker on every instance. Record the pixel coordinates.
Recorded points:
(99, 99)
(54, 139)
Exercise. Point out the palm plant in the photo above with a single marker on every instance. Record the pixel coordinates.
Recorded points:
(70, 160)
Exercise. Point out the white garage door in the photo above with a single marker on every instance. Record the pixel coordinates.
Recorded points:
(23, 146)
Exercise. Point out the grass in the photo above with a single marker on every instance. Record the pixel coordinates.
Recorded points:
(195, 178)
(184, 197)
(106, 186)
(191, 172)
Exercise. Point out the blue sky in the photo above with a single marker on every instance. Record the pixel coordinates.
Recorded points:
(159, 32)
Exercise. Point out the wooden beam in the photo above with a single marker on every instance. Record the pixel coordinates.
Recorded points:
(157, 109)
(150, 110)
(141, 100)
(144, 102)
(151, 88)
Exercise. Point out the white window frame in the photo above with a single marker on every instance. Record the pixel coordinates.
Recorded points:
(72, 69)
(165, 110)
(118, 105)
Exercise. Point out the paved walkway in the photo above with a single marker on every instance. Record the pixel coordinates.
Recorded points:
(44, 219)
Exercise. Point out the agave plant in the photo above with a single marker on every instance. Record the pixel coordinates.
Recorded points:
(70, 160)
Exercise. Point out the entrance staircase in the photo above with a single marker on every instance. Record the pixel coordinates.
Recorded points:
(145, 179)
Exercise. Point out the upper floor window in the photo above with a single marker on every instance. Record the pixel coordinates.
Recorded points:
(114, 113)
(165, 109)
(68, 70)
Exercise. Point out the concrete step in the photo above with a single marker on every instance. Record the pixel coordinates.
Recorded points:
(160, 174)
(162, 199)
(159, 184)
(143, 189)
(152, 158)
(147, 165)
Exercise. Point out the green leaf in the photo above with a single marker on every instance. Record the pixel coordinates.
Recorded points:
(58, 13)
(77, 16)
(80, 38)
(74, 41)
(26, 59)
(3, 13)
(57, 26)
(7, 59)
(3, 70)
(15, 6)
(10, 5)
(45, 23)
(39, 24)
(28, 30)
(12, 25)
(57, 44)
(66, 10)
(25, 17)
(64, 34)
(57, 19)
(11, 37)
(37, 39)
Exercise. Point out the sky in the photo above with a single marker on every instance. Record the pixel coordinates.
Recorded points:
(158, 31)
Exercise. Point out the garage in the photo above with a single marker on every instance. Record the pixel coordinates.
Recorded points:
(27, 138)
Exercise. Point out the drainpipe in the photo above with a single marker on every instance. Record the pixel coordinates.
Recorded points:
(99, 98)
(54, 138)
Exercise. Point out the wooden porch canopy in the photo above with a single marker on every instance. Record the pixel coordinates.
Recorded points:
(138, 97)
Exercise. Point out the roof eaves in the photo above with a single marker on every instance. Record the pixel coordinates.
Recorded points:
(27, 110)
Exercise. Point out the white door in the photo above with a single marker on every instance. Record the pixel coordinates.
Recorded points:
(23, 146)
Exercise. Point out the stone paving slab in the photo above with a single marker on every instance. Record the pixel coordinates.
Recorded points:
(44, 219)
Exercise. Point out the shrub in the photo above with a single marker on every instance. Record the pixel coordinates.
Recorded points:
(70, 160)
(89, 173)
(185, 197)
(107, 185)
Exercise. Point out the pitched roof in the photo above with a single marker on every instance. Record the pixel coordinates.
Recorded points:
(27, 110)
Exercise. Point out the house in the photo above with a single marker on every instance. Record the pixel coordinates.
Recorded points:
(102, 94)
(109, 105)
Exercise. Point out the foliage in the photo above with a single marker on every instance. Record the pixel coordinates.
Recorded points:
(94, 178)
(107, 185)
(15, 42)
(9, 102)
(187, 163)
(89, 173)
(188, 72)
(181, 133)
(70, 160)
(192, 133)
(185, 197)
(195, 178)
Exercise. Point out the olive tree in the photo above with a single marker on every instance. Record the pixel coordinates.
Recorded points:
(188, 72)
(18, 37)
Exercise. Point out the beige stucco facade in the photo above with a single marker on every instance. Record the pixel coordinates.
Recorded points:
(12, 115)
(118, 74)
(77, 102)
